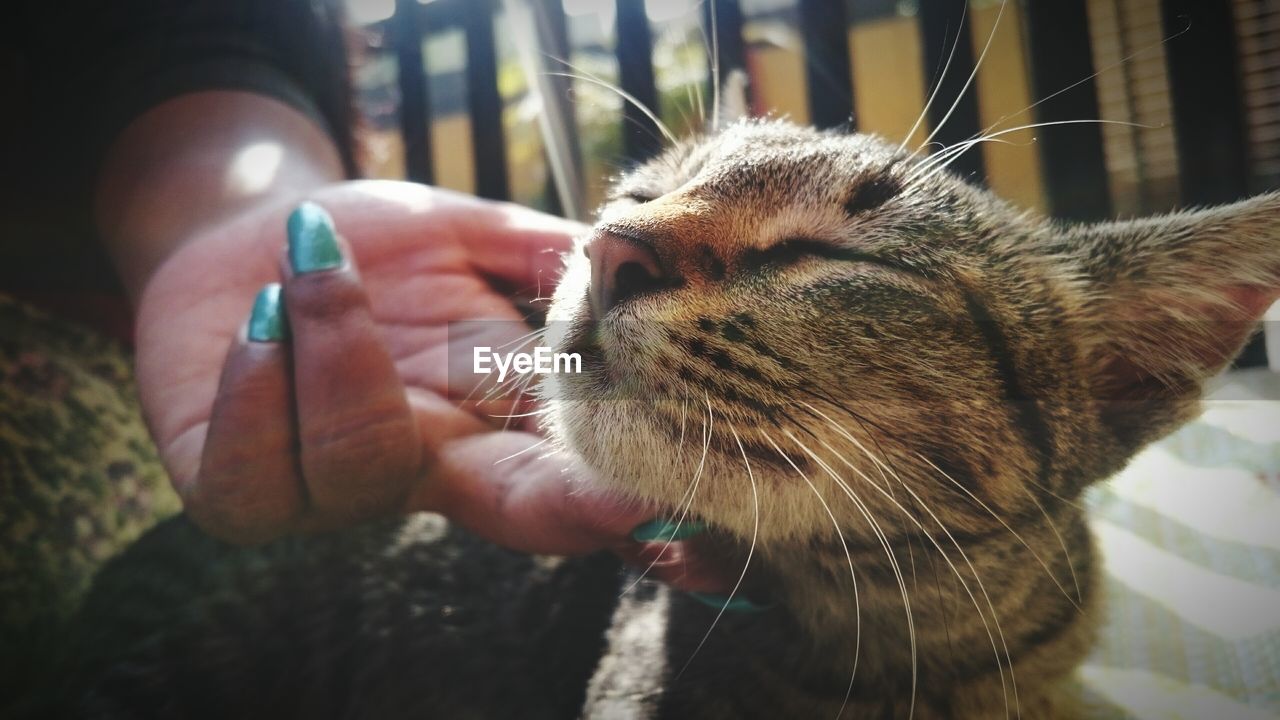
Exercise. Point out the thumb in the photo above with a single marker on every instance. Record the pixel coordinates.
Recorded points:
(514, 490)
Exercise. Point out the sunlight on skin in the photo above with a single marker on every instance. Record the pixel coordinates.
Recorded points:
(419, 199)
(254, 168)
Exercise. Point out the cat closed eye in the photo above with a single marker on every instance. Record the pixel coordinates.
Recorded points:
(789, 252)
(640, 197)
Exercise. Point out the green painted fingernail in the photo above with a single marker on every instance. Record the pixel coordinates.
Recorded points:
(266, 322)
(313, 245)
(664, 530)
(737, 603)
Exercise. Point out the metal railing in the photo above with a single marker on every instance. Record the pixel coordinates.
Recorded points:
(1204, 80)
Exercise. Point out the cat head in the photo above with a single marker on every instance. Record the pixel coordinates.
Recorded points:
(793, 329)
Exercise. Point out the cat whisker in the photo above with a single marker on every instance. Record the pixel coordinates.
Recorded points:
(499, 389)
(893, 563)
(522, 389)
(937, 86)
(976, 66)
(531, 334)
(533, 413)
(849, 556)
(1054, 494)
(1071, 565)
(589, 78)
(933, 168)
(693, 98)
(982, 587)
(921, 535)
(858, 418)
(715, 69)
(669, 36)
(862, 421)
(492, 392)
(550, 453)
(827, 397)
(965, 585)
(1089, 77)
(523, 382)
(686, 501)
(697, 100)
(1044, 99)
(1006, 526)
(755, 533)
(518, 453)
(944, 157)
(995, 619)
(684, 416)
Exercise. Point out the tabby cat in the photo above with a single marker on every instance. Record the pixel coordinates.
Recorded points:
(882, 389)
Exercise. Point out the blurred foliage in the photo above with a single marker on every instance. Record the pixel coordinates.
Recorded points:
(680, 69)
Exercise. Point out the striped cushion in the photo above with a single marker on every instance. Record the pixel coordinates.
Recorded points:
(1190, 534)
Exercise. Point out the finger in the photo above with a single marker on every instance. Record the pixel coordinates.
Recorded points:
(678, 564)
(517, 248)
(522, 247)
(360, 449)
(248, 489)
(504, 487)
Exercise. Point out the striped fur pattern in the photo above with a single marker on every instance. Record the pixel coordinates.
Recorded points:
(891, 387)
(882, 388)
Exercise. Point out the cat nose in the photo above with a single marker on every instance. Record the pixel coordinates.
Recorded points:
(621, 268)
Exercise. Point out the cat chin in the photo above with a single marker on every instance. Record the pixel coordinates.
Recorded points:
(769, 504)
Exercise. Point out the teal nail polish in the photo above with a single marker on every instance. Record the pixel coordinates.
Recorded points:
(266, 322)
(736, 604)
(664, 530)
(313, 245)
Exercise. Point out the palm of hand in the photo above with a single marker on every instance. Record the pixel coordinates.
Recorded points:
(426, 258)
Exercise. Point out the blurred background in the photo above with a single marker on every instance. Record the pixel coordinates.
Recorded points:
(519, 99)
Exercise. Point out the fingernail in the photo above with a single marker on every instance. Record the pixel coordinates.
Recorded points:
(737, 603)
(266, 322)
(666, 530)
(313, 245)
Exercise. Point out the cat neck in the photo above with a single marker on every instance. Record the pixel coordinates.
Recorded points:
(935, 601)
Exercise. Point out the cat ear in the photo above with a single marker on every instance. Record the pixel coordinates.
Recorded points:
(1167, 302)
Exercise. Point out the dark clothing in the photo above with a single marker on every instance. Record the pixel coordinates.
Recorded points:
(79, 476)
(78, 72)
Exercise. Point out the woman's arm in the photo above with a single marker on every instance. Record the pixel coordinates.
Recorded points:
(199, 159)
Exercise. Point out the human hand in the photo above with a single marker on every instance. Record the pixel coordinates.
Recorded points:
(352, 416)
